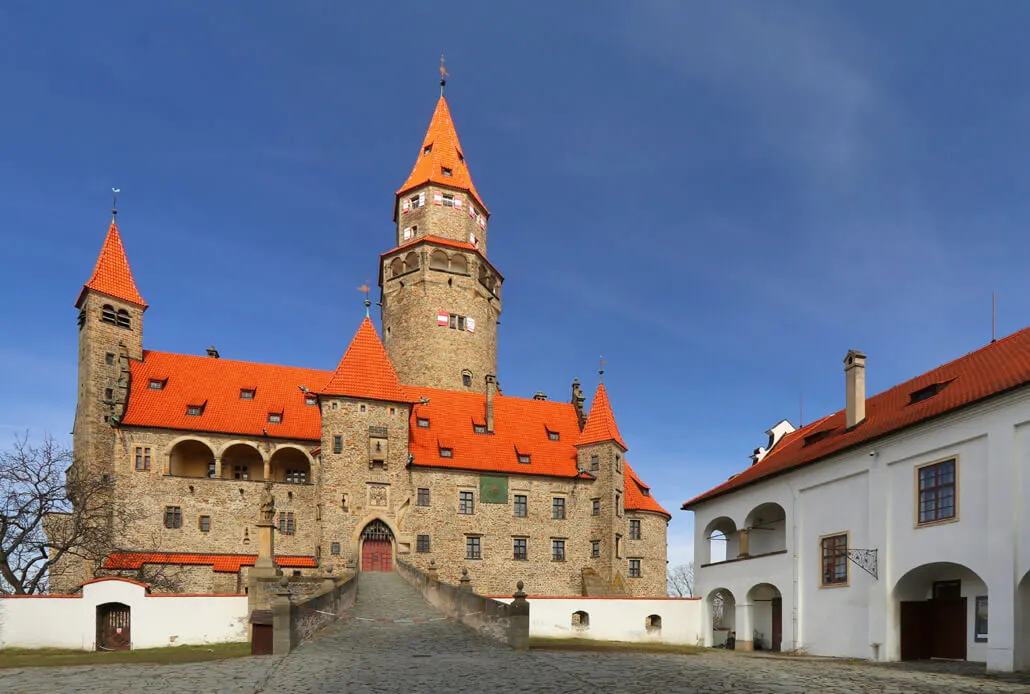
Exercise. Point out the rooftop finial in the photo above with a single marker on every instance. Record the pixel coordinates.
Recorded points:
(114, 202)
(443, 75)
(368, 302)
(600, 371)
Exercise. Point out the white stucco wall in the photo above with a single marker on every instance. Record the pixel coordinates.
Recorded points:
(155, 620)
(616, 619)
(870, 493)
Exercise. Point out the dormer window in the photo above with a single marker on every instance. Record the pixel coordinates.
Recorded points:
(427, 149)
(479, 428)
(553, 435)
(422, 422)
(461, 157)
(446, 452)
(275, 417)
(448, 200)
(246, 394)
(194, 410)
(446, 172)
(927, 392)
(524, 458)
(157, 384)
(817, 436)
(310, 400)
(645, 491)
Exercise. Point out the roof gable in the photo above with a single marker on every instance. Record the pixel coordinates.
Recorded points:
(365, 371)
(638, 495)
(990, 370)
(442, 151)
(111, 274)
(600, 425)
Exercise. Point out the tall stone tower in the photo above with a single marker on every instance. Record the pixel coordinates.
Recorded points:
(110, 334)
(441, 297)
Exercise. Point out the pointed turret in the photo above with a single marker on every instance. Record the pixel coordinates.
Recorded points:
(441, 159)
(600, 426)
(365, 370)
(112, 275)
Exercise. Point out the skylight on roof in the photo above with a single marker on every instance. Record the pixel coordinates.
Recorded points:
(194, 410)
(446, 171)
(428, 148)
(524, 458)
(927, 392)
(446, 452)
(275, 417)
(247, 393)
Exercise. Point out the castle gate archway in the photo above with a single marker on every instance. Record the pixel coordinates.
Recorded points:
(376, 547)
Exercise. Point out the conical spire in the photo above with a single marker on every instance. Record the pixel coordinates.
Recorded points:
(112, 275)
(600, 426)
(442, 153)
(365, 371)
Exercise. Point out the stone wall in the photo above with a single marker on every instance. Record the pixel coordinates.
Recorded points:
(651, 550)
(439, 220)
(311, 614)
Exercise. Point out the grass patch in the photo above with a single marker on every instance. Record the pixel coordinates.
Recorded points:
(53, 657)
(572, 644)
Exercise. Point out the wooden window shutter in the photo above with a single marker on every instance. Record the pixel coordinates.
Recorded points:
(437, 198)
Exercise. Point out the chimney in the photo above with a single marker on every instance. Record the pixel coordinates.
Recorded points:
(854, 375)
(539, 395)
(577, 401)
(491, 391)
(212, 352)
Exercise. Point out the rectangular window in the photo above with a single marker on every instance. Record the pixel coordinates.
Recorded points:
(461, 322)
(524, 458)
(240, 472)
(108, 393)
(142, 459)
(520, 550)
(835, 560)
(422, 423)
(173, 517)
(193, 410)
(595, 463)
(205, 524)
(296, 476)
(557, 550)
(595, 548)
(634, 568)
(211, 470)
(416, 201)
(618, 463)
(553, 436)
(447, 172)
(634, 530)
(109, 358)
(595, 507)
(618, 546)
(477, 428)
(937, 492)
(156, 384)
(422, 543)
(275, 417)
(980, 620)
(521, 506)
(446, 452)
(618, 505)
(287, 523)
(310, 399)
(558, 508)
(337, 443)
(423, 497)
(334, 548)
(246, 394)
(466, 504)
(473, 548)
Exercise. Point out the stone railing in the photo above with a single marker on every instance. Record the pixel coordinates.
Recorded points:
(295, 622)
(506, 623)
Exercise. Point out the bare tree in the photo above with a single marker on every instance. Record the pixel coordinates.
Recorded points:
(55, 516)
(681, 581)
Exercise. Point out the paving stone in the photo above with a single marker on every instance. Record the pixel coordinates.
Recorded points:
(353, 656)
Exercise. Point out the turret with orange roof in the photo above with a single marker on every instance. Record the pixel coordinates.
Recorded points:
(601, 426)
(112, 275)
(365, 371)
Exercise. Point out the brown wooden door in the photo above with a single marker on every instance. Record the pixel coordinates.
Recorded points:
(113, 622)
(948, 636)
(777, 624)
(915, 630)
(377, 555)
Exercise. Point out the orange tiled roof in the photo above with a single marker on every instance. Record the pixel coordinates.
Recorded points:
(215, 385)
(365, 371)
(227, 563)
(112, 275)
(991, 370)
(638, 495)
(600, 424)
(444, 152)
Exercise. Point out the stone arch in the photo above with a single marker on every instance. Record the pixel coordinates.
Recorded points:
(396, 266)
(936, 598)
(377, 546)
(459, 264)
(242, 460)
(190, 457)
(720, 540)
(290, 464)
(580, 620)
(764, 531)
(108, 314)
(653, 624)
(438, 260)
(765, 603)
(720, 618)
(411, 261)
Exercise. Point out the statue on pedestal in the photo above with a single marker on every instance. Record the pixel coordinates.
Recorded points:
(268, 505)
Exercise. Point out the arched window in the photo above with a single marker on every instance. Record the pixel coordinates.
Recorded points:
(459, 264)
(124, 321)
(653, 624)
(580, 621)
(466, 378)
(411, 261)
(438, 261)
(108, 315)
(396, 267)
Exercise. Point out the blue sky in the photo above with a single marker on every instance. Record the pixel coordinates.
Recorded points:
(720, 198)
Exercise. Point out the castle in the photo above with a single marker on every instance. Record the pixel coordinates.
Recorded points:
(408, 449)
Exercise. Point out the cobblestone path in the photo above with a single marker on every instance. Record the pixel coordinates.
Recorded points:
(361, 657)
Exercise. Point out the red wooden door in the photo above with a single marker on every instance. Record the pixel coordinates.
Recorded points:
(777, 624)
(377, 555)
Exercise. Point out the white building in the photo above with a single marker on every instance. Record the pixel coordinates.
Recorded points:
(897, 528)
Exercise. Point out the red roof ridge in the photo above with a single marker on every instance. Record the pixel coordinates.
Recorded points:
(600, 425)
(223, 360)
(442, 150)
(365, 371)
(112, 274)
(985, 372)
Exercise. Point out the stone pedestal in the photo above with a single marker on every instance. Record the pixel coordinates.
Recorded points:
(518, 629)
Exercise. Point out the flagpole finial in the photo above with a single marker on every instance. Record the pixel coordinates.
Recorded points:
(368, 302)
(443, 75)
(114, 202)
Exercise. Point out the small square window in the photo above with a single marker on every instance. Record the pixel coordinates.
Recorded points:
(194, 410)
(422, 423)
(524, 458)
(423, 497)
(109, 358)
(363, 408)
(634, 568)
(422, 543)
(473, 548)
(246, 394)
(479, 428)
(446, 452)
(204, 522)
(447, 172)
(156, 384)
(334, 548)
(393, 410)
(275, 417)
(310, 399)
(595, 549)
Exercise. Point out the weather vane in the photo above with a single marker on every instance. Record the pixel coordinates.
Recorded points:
(443, 75)
(600, 370)
(114, 201)
(368, 302)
